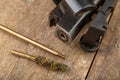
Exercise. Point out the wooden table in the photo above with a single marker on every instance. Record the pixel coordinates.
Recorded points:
(30, 18)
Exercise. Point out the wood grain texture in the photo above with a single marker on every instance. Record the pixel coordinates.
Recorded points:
(30, 18)
(106, 65)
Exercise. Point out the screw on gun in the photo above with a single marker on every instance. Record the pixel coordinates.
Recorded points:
(30, 41)
(43, 61)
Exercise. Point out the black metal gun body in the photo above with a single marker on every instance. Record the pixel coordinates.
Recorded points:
(70, 16)
(92, 39)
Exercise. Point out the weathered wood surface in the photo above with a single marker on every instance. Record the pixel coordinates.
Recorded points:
(106, 65)
(30, 18)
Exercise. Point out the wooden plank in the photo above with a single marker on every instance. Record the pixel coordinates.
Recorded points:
(106, 65)
(30, 17)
